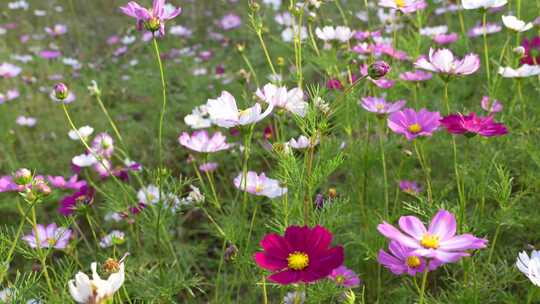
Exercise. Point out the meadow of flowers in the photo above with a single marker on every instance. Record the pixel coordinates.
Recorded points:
(270, 151)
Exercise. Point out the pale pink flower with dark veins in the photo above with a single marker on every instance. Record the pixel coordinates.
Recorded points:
(259, 185)
(50, 236)
(443, 61)
(152, 19)
(200, 141)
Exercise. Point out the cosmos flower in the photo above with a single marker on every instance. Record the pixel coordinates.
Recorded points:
(345, 277)
(103, 145)
(302, 142)
(491, 106)
(303, 254)
(415, 76)
(115, 237)
(479, 29)
(521, 72)
(530, 266)
(484, 4)
(410, 187)
(84, 132)
(443, 61)
(380, 106)
(61, 93)
(404, 6)
(290, 100)
(9, 95)
(413, 124)
(294, 297)
(439, 241)
(380, 82)
(83, 196)
(532, 51)
(56, 30)
(26, 121)
(224, 112)
(84, 160)
(200, 141)
(471, 125)
(198, 119)
(259, 185)
(51, 236)
(73, 183)
(8, 70)
(96, 290)
(148, 195)
(229, 22)
(152, 19)
(339, 33)
(402, 260)
(515, 24)
(50, 54)
(443, 39)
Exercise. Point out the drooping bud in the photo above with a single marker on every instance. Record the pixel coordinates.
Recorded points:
(378, 69)
(60, 91)
(230, 253)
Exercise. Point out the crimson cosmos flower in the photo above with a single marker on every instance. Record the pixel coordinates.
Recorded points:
(471, 125)
(303, 254)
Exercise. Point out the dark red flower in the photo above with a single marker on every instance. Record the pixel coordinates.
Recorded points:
(471, 125)
(303, 254)
(532, 51)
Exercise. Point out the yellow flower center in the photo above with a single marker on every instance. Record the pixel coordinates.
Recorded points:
(51, 242)
(413, 261)
(152, 24)
(400, 3)
(243, 113)
(415, 128)
(258, 188)
(379, 106)
(340, 279)
(298, 260)
(430, 241)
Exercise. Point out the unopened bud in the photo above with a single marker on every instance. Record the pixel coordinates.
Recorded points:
(378, 69)
(60, 91)
(280, 61)
(23, 176)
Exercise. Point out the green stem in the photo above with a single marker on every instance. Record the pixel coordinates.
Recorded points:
(385, 173)
(111, 121)
(163, 107)
(14, 244)
(486, 49)
(423, 287)
(493, 243)
(247, 145)
(42, 256)
(265, 50)
(423, 164)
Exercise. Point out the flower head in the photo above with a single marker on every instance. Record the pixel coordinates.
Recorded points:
(339, 33)
(380, 106)
(8, 70)
(96, 290)
(401, 259)
(471, 125)
(521, 72)
(515, 24)
(483, 4)
(345, 277)
(416, 76)
(302, 254)
(531, 55)
(404, 6)
(103, 145)
(530, 266)
(443, 61)
(413, 124)
(224, 112)
(50, 236)
(290, 100)
(410, 187)
(84, 132)
(83, 196)
(259, 185)
(491, 106)
(229, 22)
(115, 237)
(439, 241)
(152, 19)
(200, 141)
(480, 29)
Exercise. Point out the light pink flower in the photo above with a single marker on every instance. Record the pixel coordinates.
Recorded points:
(8, 70)
(491, 106)
(224, 113)
(50, 236)
(259, 185)
(443, 61)
(200, 141)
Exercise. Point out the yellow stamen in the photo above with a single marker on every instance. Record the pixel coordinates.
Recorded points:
(415, 128)
(413, 261)
(298, 260)
(430, 241)
(259, 188)
(340, 279)
(400, 3)
(379, 106)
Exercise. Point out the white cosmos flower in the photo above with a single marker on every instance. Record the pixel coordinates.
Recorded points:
(329, 33)
(148, 195)
(485, 4)
(83, 131)
(96, 290)
(290, 100)
(434, 30)
(113, 238)
(198, 119)
(84, 160)
(224, 112)
(302, 142)
(523, 71)
(530, 266)
(515, 24)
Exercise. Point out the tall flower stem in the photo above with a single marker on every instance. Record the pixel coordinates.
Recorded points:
(424, 283)
(211, 182)
(258, 31)
(486, 49)
(247, 147)
(309, 168)
(163, 106)
(521, 100)
(423, 163)
(383, 161)
(109, 118)
(462, 25)
(42, 255)
(298, 47)
(312, 39)
(14, 244)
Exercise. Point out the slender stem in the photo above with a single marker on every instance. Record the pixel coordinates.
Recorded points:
(421, 159)
(265, 50)
(486, 49)
(265, 294)
(521, 100)
(307, 195)
(247, 145)
(298, 48)
(111, 121)
(385, 173)
(42, 256)
(494, 242)
(14, 244)
(163, 106)
(250, 67)
(424, 281)
(312, 38)
(462, 25)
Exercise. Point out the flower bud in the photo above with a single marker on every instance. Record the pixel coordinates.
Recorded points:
(60, 91)
(332, 192)
(378, 69)
(240, 47)
(280, 61)
(23, 176)
(230, 253)
(254, 6)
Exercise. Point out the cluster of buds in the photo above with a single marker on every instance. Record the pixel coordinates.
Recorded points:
(30, 187)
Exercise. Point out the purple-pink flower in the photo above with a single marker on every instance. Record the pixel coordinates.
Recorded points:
(443, 61)
(471, 125)
(415, 76)
(491, 106)
(404, 6)
(51, 236)
(259, 185)
(443, 39)
(303, 254)
(380, 106)
(200, 141)
(439, 241)
(400, 260)
(345, 277)
(229, 22)
(84, 195)
(410, 187)
(152, 19)
(413, 124)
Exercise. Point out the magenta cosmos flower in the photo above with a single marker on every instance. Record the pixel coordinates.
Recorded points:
(401, 259)
(439, 241)
(200, 141)
(303, 254)
(404, 6)
(151, 19)
(380, 106)
(259, 185)
(47, 237)
(345, 277)
(413, 124)
(444, 62)
(532, 51)
(471, 125)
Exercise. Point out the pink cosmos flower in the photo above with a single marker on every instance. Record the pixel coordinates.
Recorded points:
(471, 125)
(478, 30)
(491, 106)
(103, 144)
(26, 121)
(303, 254)
(404, 6)
(402, 260)
(413, 124)
(200, 141)
(259, 185)
(410, 187)
(229, 22)
(345, 277)
(443, 61)
(47, 237)
(416, 76)
(290, 100)
(60, 182)
(208, 167)
(50, 54)
(56, 30)
(9, 95)
(8, 70)
(152, 19)
(224, 113)
(8, 185)
(380, 106)
(83, 196)
(443, 39)
(439, 241)
(334, 84)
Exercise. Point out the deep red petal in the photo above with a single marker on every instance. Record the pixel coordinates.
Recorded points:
(275, 245)
(286, 277)
(269, 262)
